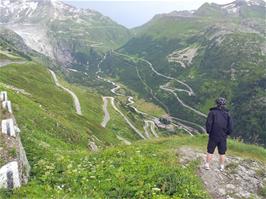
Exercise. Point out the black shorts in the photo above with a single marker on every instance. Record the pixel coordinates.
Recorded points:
(221, 144)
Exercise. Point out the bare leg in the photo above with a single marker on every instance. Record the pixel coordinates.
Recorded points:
(208, 160)
(222, 159)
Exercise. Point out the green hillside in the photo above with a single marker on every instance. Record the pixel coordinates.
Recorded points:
(142, 170)
(227, 59)
(158, 85)
(56, 142)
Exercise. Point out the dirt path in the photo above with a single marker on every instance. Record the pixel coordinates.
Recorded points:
(123, 140)
(5, 62)
(74, 96)
(18, 90)
(240, 179)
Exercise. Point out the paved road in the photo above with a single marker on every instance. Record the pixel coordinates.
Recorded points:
(106, 117)
(171, 90)
(165, 87)
(125, 118)
(131, 103)
(74, 96)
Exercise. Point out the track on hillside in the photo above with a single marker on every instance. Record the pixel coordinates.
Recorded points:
(149, 125)
(165, 87)
(74, 96)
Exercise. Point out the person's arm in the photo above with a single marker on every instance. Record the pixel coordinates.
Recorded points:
(209, 122)
(229, 125)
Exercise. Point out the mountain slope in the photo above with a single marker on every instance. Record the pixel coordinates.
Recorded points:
(60, 31)
(155, 168)
(60, 144)
(57, 142)
(216, 54)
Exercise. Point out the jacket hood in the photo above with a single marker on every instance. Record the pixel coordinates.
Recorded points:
(219, 108)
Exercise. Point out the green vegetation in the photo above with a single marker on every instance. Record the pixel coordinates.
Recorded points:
(144, 169)
(12, 152)
(56, 139)
(149, 108)
(263, 192)
(172, 27)
(229, 63)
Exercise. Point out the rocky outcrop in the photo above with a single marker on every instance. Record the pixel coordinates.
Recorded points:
(14, 165)
(242, 178)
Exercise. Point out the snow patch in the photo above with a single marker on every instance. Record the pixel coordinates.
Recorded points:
(231, 8)
(254, 3)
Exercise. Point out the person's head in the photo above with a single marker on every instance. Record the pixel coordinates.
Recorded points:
(221, 102)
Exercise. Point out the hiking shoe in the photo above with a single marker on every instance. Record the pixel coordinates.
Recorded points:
(207, 166)
(221, 167)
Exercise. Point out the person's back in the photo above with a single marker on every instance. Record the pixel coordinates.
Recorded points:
(219, 123)
(218, 126)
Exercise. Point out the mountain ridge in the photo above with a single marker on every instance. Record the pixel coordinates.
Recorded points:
(44, 25)
(144, 99)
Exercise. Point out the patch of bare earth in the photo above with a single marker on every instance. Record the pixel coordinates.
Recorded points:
(184, 57)
(242, 178)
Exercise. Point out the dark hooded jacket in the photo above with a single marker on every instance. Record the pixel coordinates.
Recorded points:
(219, 123)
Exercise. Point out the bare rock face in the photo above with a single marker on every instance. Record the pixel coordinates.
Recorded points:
(240, 179)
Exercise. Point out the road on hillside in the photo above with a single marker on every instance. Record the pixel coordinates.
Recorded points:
(74, 96)
(147, 123)
(106, 117)
(189, 91)
(165, 87)
(5, 62)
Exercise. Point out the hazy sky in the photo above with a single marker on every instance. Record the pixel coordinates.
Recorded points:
(132, 13)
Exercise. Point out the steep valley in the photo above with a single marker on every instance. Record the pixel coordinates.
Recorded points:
(109, 112)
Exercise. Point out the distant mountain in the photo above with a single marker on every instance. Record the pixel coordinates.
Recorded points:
(123, 146)
(216, 50)
(238, 8)
(247, 14)
(219, 50)
(61, 31)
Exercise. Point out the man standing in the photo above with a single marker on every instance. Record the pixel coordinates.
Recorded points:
(218, 126)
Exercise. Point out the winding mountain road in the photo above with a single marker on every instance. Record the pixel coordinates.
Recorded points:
(74, 96)
(164, 87)
(125, 118)
(147, 123)
(171, 90)
(106, 117)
